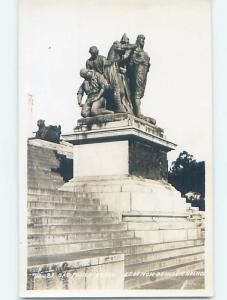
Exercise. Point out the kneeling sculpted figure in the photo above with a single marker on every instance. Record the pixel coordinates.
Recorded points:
(94, 86)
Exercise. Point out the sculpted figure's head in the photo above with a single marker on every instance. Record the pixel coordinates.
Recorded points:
(86, 74)
(124, 39)
(41, 123)
(116, 43)
(140, 40)
(94, 51)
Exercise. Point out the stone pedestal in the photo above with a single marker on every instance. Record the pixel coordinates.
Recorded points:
(119, 145)
(122, 160)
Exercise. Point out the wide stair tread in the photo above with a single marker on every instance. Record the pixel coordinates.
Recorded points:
(37, 239)
(38, 212)
(59, 258)
(132, 259)
(69, 198)
(149, 248)
(91, 245)
(146, 264)
(135, 274)
(61, 220)
(64, 206)
(168, 278)
(89, 227)
(59, 196)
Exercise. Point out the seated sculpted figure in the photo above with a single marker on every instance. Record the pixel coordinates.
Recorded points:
(94, 86)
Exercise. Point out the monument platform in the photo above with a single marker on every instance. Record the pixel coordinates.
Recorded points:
(104, 212)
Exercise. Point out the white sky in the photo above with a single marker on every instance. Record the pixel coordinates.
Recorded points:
(54, 39)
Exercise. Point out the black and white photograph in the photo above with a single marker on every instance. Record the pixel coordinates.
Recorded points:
(115, 111)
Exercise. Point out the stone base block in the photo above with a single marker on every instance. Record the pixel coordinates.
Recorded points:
(164, 236)
(129, 193)
(153, 209)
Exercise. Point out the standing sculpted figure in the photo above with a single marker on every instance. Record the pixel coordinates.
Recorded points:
(96, 62)
(115, 73)
(138, 68)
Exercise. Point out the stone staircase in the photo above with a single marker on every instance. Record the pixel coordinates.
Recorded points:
(68, 226)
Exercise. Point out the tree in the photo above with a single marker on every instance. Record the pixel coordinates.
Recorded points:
(188, 175)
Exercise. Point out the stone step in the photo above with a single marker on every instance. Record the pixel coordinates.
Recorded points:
(45, 166)
(36, 156)
(149, 248)
(40, 239)
(47, 180)
(41, 152)
(73, 206)
(157, 266)
(38, 148)
(33, 174)
(69, 213)
(59, 194)
(45, 175)
(196, 216)
(50, 185)
(42, 158)
(165, 262)
(174, 223)
(64, 200)
(194, 208)
(35, 262)
(80, 246)
(156, 255)
(94, 228)
(151, 281)
(36, 161)
(192, 278)
(63, 220)
(42, 168)
(46, 183)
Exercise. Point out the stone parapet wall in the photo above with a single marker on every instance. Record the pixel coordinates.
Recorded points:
(63, 148)
(105, 272)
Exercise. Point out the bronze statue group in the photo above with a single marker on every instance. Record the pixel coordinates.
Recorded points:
(115, 84)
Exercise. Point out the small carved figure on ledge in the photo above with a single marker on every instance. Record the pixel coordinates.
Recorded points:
(94, 86)
(48, 133)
